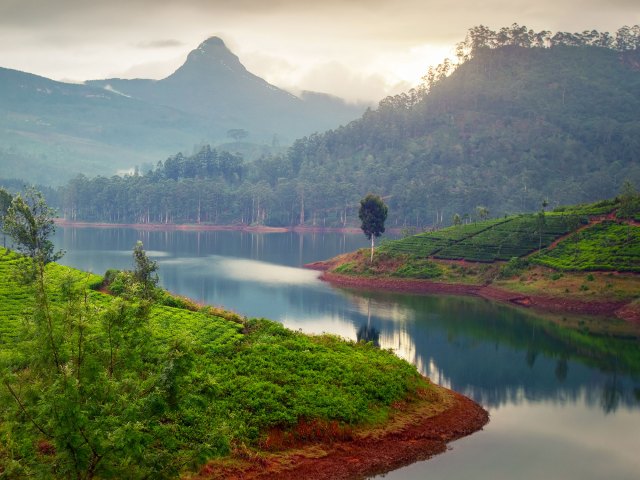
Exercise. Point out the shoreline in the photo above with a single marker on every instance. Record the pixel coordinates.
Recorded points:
(623, 310)
(416, 433)
(61, 222)
(619, 309)
(413, 428)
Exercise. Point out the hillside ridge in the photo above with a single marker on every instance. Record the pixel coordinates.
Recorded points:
(582, 259)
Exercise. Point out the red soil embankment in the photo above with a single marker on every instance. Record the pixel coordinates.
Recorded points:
(549, 304)
(630, 313)
(424, 436)
(554, 304)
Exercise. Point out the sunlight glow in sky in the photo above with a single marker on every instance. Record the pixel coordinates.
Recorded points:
(357, 49)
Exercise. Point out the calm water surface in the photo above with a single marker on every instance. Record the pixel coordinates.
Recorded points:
(563, 404)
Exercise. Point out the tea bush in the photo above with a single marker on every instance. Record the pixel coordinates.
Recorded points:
(163, 389)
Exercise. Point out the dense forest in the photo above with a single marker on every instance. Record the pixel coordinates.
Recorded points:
(522, 118)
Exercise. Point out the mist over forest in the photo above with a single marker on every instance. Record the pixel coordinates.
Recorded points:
(520, 118)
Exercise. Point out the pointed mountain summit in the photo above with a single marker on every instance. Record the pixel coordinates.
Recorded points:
(211, 57)
(213, 83)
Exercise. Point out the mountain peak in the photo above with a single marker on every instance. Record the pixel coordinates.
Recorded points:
(212, 57)
(212, 42)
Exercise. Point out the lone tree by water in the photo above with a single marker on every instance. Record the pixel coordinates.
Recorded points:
(373, 213)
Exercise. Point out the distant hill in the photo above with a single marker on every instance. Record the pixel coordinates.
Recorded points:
(212, 83)
(50, 131)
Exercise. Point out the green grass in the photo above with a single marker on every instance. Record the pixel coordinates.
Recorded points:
(604, 246)
(15, 299)
(419, 268)
(237, 380)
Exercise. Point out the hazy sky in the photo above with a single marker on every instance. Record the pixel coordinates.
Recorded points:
(357, 49)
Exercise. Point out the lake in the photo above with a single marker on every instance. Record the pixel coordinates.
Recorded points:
(563, 403)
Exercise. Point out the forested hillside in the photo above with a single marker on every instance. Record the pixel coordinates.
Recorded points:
(523, 118)
(50, 131)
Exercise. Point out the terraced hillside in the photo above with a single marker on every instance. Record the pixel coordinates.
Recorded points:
(603, 246)
(490, 240)
(16, 298)
(605, 239)
(431, 243)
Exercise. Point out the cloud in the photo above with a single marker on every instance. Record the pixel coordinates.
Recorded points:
(370, 47)
(154, 70)
(166, 43)
(340, 80)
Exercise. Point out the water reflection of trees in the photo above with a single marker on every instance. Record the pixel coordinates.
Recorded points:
(368, 333)
(500, 355)
(562, 367)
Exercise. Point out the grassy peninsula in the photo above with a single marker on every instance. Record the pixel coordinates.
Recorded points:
(111, 382)
(582, 258)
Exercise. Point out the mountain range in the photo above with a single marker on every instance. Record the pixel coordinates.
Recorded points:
(52, 130)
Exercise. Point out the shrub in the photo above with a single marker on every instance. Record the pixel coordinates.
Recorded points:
(176, 301)
(419, 268)
(513, 267)
(120, 282)
(345, 268)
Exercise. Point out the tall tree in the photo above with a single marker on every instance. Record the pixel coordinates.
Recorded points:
(5, 203)
(29, 222)
(145, 270)
(237, 134)
(483, 212)
(372, 214)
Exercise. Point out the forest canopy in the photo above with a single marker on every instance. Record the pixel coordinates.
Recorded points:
(522, 117)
